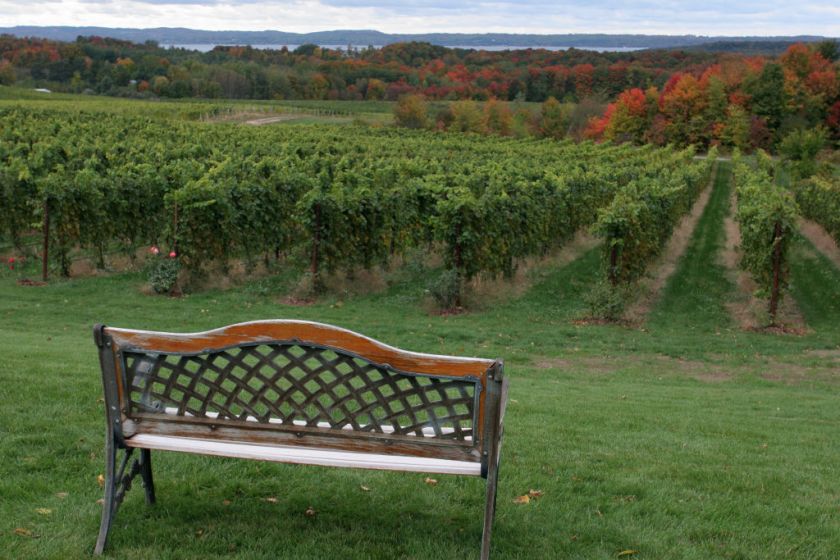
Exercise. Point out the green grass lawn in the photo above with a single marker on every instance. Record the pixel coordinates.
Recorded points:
(688, 438)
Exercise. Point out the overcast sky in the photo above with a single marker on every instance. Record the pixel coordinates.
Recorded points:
(705, 17)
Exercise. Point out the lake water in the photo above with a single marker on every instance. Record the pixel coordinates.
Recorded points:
(206, 47)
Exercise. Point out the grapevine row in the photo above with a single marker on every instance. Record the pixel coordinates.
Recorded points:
(640, 219)
(819, 200)
(767, 215)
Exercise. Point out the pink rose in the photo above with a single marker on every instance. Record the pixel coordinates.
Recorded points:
(154, 250)
(172, 254)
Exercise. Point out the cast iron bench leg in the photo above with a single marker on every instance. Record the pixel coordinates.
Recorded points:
(146, 474)
(489, 510)
(109, 506)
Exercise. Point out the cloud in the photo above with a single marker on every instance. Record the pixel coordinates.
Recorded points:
(712, 17)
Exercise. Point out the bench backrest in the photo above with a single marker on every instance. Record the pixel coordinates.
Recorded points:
(300, 383)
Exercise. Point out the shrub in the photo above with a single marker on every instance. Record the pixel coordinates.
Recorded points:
(446, 289)
(606, 301)
(163, 271)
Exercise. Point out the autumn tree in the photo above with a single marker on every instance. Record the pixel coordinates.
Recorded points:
(717, 106)
(628, 121)
(7, 73)
(833, 120)
(584, 79)
(375, 90)
(683, 103)
(498, 118)
(411, 112)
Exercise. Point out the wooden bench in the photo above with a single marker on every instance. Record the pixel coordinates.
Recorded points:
(295, 392)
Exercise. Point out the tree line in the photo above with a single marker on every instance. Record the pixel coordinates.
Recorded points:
(114, 67)
(744, 102)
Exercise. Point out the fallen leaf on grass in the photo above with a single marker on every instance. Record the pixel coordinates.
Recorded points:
(271, 500)
(43, 511)
(535, 493)
(364, 488)
(100, 501)
(100, 479)
(526, 499)
(627, 552)
(310, 512)
(225, 502)
(61, 495)
(23, 532)
(430, 481)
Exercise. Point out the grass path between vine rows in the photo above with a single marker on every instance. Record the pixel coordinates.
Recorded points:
(690, 439)
(821, 240)
(695, 296)
(661, 272)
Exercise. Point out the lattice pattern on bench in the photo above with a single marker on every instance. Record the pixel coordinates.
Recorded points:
(297, 384)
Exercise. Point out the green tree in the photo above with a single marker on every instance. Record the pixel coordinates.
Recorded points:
(767, 91)
(736, 131)
(829, 49)
(554, 119)
(801, 147)
(466, 117)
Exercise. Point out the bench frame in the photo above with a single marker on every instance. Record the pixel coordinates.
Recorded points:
(450, 443)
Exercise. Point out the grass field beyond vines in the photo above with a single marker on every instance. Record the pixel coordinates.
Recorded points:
(688, 438)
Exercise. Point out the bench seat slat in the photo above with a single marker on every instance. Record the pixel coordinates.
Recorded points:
(427, 432)
(305, 456)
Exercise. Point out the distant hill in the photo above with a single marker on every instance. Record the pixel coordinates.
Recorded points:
(763, 47)
(364, 37)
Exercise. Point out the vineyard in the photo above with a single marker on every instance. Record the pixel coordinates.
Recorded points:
(339, 199)
(691, 421)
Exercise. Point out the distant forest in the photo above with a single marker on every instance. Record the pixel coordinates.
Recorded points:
(658, 96)
(116, 67)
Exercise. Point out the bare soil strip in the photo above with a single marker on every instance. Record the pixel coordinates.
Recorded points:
(269, 120)
(746, 309)
(822, 370)
(820, 238)
(665, 266)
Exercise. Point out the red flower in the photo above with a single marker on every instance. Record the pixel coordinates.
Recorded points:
(172, 254)
(154, 250)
